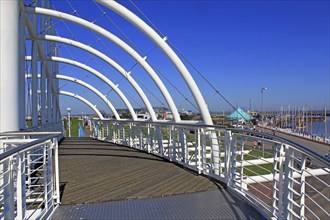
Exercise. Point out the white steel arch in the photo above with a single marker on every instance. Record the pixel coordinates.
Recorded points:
(100, 76)
(88, 86)
(147, 30)
(116, 40)
(93, 89)
(83, 100)
(110, 62)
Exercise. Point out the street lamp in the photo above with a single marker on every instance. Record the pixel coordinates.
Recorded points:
(69, 122)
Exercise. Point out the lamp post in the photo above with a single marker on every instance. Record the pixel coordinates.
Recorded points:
(69, 122)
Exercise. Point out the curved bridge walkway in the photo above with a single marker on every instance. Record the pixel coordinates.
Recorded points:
(100, 180)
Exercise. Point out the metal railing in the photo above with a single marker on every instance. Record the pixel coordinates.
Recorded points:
(49, 127)
(280, 178)
(29, 177)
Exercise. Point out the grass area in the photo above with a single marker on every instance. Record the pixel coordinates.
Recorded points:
(258, 170)
(74, 127)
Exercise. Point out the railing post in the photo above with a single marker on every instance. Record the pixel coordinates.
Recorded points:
(183, 145)
(45, 182)
(203, 146)
(140, 135)
(115, 132)
(20, 188)
(288, 183)
(215, 152)
(174, 143)
(302, 187)
(278, 178)
(124, 140)
(149, 138)
(199, 157)
(57, 173)
(233, 161)
(9, 190)
(131, 135)
(50, 173)
(160, 140)
(242, 167)
(108, 133)
(228, 139)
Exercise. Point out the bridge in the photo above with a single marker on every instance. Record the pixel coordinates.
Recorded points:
(135, 168)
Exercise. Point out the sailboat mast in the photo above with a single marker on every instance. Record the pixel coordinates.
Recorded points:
(311, 131)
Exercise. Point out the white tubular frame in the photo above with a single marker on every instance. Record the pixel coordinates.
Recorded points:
(148, 31)
(93, 89)
(88, 86)
(119, 42)
(83, 100)
(97, 74)
(110, 62)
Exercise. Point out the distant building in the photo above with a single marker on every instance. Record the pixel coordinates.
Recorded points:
(239, 115)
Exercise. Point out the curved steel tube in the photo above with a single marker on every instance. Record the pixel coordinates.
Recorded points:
(93, 89)
(116, 40)
(83, 100)
(148, 31)
(110, 62)
(100, 76)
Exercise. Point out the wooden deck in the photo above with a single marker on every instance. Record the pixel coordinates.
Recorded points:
(93, 171)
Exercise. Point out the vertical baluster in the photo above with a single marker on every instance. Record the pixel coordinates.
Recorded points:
(233, 160)
(288, 184)
(228, 139)
(302, 187)
(20, 188)
(9, 190)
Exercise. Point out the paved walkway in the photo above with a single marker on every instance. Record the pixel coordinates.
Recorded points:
(100, 180)
(318, 147)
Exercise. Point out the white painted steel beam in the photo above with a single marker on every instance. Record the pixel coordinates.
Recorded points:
(34, 71)
(88, 86)
(10, 66)
(148, 31)
(100, 76)
(43, 71)
(83, 100)
(110, 62)
(93, 89)
(51, 87)
(119, 42)
(97, 74)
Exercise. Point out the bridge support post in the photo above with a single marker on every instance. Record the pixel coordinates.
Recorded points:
(10, 67)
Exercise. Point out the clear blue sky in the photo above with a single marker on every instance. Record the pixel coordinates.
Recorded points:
(239, 46)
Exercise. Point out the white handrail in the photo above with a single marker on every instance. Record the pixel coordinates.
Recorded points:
(29, 170)
(274, 177)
